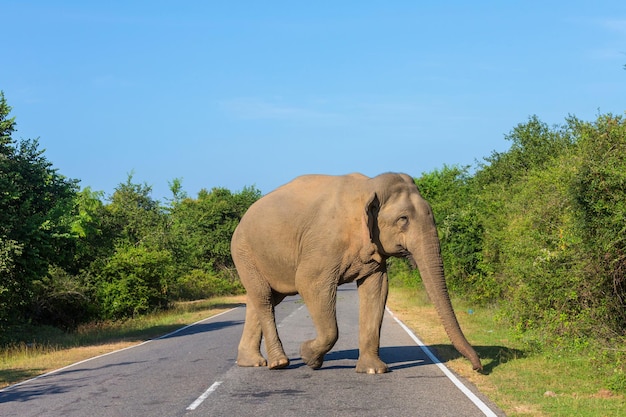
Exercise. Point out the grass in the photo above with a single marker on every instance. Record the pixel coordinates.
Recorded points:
(44, 349)
(521, 381)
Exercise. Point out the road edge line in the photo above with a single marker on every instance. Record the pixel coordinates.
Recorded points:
(468, 393)
(114, 351)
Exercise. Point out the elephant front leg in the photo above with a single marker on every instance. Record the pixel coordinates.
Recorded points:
(372, 299)
(322, 308)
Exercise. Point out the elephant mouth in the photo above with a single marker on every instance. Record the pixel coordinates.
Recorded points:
(409, 257)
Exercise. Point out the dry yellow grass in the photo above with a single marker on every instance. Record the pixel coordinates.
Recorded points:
(23, 361)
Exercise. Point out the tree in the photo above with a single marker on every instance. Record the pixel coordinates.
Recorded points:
(201, 230)
(534, 144)
(7, 127)
(540, 228)
(94, 229)
(136, 216)
(67, 256)
(600, 202)
(33, 228)
(134, 269)
(455, 205)
(204, 226)
(9, 248)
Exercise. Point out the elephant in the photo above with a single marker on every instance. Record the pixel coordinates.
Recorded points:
(317, 232)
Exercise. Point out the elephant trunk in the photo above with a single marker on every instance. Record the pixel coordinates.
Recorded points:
(428, 258)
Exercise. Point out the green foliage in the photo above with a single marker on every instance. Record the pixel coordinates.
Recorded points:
(199, 284)
(94, 229)
(534, 144)
(401, 275)
(457, 214)
(7, 127)
(134, 281)
(599, 200)
(202, 227)
(68, 256)
(538, 270)
(157, 254)
(134, 216)
(541, 230)
(33, 229)
(61, 300)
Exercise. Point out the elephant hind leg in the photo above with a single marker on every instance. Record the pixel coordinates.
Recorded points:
(249, 352)
(277, 357)
(260, 321)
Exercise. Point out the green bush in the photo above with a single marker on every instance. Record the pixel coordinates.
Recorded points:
(599, 193)
(135, 281)
(461, 232)
(61, 300)
(201, 228)
(541, 230)
(199, 284)
(401, 275)
(538, 251)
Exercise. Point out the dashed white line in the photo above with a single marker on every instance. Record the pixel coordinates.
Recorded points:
(469, 394)
(204, 396)
(290, 315)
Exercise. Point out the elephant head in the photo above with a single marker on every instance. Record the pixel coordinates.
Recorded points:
(402, 224)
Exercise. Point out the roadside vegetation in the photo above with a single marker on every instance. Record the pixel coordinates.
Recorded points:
(521, 381)
(533, 242)
(70, 256)
(540, 232)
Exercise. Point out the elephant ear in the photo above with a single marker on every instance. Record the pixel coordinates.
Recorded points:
(369, 230)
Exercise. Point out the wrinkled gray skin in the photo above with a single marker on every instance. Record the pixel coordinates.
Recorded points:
(318, 232)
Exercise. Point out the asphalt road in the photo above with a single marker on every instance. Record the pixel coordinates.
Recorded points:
(193, 373)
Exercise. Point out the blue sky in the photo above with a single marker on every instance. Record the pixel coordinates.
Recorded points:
(242, 93)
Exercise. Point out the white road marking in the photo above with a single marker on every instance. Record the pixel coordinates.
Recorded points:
(216, 384)
(194, 324)
(469, 394)
(204, 396)
(289, 316)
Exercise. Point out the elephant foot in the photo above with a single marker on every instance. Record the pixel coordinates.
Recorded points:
(250, 359)
(310, 357)
(371, 365)
(279, 363)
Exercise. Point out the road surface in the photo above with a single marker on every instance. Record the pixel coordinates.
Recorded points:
(192, 372)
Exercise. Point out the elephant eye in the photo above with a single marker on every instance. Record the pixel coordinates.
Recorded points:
(402, 221)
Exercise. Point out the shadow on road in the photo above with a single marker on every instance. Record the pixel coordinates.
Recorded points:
(26, 394)
(202, 328)
(396, 357)
(41, 387)
(401, 357)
